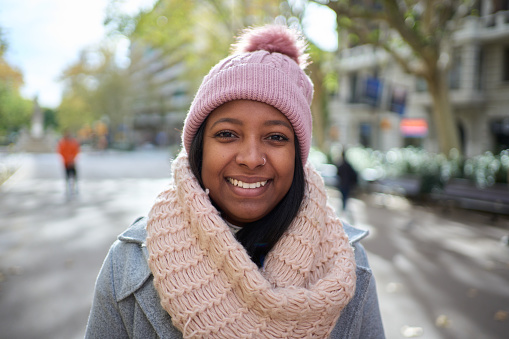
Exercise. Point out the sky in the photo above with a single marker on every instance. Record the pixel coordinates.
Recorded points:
(46, 36)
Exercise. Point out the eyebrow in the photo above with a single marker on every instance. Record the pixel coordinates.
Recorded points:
(278, 123)
(229, 120)
(266, 123)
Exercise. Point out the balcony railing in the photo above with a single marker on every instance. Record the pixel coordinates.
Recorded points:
(488, 27)
(498, 20)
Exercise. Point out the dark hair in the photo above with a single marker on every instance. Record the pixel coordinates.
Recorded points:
(260, 236)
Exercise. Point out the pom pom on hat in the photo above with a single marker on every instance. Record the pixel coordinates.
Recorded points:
(273, 38)
(267, 66)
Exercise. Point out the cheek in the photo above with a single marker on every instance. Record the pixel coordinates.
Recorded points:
(289, 176)
(207, 164)
(212, 162)
(285, 167)
(208, 168)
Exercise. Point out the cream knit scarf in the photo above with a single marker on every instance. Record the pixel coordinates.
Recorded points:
(210, 287)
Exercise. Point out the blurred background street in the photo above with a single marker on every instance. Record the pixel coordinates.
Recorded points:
(51, 248)
(415, 93)
(439, 274)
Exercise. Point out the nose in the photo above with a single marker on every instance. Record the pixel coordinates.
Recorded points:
(251, 154)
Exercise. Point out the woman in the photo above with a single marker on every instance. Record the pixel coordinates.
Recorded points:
(242, 244)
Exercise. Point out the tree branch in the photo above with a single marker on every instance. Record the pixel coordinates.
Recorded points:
(404, 63)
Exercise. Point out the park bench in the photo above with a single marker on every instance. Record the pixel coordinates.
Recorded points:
(408, 186)
(465, 194)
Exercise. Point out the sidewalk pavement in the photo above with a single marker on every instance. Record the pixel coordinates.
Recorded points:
(51, 250)
(440, 274)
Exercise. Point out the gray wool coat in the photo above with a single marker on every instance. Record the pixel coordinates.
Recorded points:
(126, 304)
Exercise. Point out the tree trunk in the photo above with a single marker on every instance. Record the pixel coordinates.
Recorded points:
(317, 107)
(443, 116)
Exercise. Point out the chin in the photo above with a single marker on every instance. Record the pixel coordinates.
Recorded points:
(245, 218)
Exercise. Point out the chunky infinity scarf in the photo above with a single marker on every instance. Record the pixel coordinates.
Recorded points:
(211, 288)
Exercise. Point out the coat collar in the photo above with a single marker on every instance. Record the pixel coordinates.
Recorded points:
(137, 232)
(354, 234)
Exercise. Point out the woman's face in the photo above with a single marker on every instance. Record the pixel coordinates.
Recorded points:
(238, 136)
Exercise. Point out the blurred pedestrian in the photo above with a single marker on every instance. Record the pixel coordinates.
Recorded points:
(347, 179)
(243, 243)
(69, 148)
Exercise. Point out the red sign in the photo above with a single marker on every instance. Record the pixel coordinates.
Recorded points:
(416, 128)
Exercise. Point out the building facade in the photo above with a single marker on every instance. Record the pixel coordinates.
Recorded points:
(159, 98)
(381, 107)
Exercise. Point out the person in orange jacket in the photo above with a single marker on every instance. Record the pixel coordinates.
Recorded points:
(69, 148)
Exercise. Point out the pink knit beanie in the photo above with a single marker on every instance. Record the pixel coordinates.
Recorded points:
(268, 66)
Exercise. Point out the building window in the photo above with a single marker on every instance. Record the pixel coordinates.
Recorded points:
(480, 69)
(365, 134)
(372, 91)
(421, 85)
(398, 99)
(354, 91)
(455, 71)
(500, 132)
(500, 5)
(505, 63)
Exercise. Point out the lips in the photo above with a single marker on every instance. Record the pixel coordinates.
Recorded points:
(248, 185)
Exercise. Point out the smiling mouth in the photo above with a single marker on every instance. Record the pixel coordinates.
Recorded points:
(242, 184)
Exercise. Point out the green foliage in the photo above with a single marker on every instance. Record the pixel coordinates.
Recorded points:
(73, 113)
(158, 27)
(96, 87)
(171, 28)
(331, 82)
(345, 22)
(435, 169)
(3, 42)
(15, 111)
(354, 39)
(488, 168)
(374, 36)
(50, 118)
(117, 21)
(199, 33)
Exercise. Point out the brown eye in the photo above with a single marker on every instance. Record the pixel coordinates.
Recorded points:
(278, 137)
(225, 135)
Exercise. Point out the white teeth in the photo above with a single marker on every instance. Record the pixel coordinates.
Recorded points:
(239, 183)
